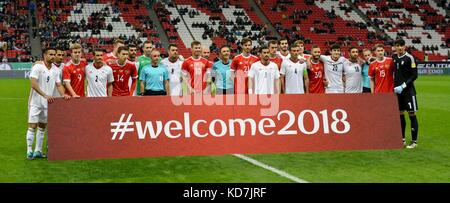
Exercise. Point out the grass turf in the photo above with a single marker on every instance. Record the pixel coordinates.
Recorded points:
(430, 162)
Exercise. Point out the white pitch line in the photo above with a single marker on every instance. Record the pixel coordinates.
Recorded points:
(270, 168)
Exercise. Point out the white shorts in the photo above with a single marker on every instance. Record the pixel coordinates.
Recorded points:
(37, 115)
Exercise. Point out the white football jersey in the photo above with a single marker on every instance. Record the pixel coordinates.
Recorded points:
(264, 77)
(293, 74)
(47, 79)
(98, 80)
(174, 70)
(288, 56)
(353, 77)
(60, 70)
(333, 73)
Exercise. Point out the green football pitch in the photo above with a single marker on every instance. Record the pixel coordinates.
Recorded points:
(430, 162)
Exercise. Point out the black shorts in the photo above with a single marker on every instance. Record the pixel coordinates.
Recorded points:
(154, 93)
(366, 90)
(407, 102)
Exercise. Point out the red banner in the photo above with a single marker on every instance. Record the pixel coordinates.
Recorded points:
(131, 127)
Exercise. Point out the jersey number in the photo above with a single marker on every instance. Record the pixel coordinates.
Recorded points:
(96, 78)
(356, 68)
(120, 78)
(48, 78)
(335, 68)
(318, 75)
(382, 73)
(79, 77)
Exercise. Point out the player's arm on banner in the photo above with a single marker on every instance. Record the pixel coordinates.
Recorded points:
(283, 77)
(372, 77)
(134, 77)
(142, 83)
(306, 80)
(167, 86)
(277, 82)
(110, 89)
(166, 81)
(250, 75)
(110, 80)
(344, 79)
(62, 90)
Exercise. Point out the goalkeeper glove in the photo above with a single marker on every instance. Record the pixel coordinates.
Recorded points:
(400, 88)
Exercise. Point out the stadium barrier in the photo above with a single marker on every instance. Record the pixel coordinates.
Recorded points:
(132, 127)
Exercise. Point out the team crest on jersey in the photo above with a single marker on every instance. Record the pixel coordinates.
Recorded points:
(127, 71)
(74, 71)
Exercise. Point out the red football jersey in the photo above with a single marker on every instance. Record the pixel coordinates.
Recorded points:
(122, 74)
(277, 60)
(383, 73)
(196, 69)
(241, 66)
(74, 73)
(108, 57)
(315, 75)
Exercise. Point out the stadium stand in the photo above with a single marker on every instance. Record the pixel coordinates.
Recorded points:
(423, 24)
(215, 23)
(321, 22)
(318, 22)
(95, 24)
(14, 35)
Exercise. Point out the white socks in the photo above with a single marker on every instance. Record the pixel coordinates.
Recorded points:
(39, 139)
(30, 139)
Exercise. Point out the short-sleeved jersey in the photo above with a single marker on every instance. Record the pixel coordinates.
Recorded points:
(405, 71)
(174, 70)
(241, 65)
(353, 77)
(98, 79)
(122, 74)
(333, 73)
(382, 72)
(316, 76)
(284, 57)
(293, 73)
(108, 57)
(264, 77)
(75, 73)
(154, 77)
(277, 60)
(60, 69)
(304, 56)
(47, 79)
(222, 73)
(196, 70)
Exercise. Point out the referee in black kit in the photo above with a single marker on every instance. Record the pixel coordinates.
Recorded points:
(405, 74)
